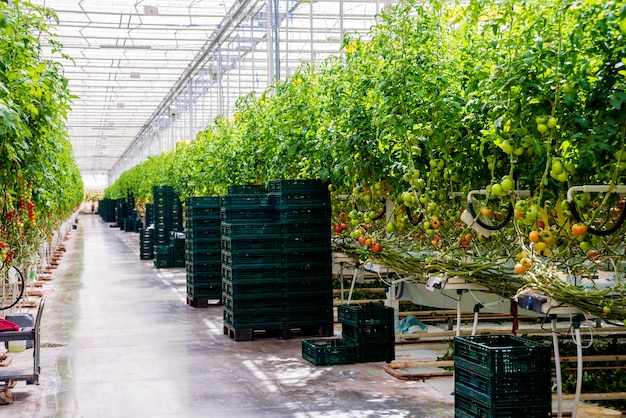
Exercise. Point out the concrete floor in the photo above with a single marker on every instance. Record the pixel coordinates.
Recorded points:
(119, 340)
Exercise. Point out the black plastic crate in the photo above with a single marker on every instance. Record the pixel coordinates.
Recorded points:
(310, 317)
(306, 286)
(291, 257)
(200, 234)
(372, 352)
(368, 334)
(250, 230)
(359, 315)
(259, 319)
(497, 354)
(203, 202)
(262, 274)
(535, 387)
(300, 200)
(246, 189)
(204, 291)
(203, 244)
(203, 257)
(248, 215)
(315, 300)
(307, 242)
(297, 186)
(204, 279)
(468, 407)
(305, 214)
(303, 270)
(245, 201)
(212, 268)
(243, 259)
(249, 305)
(251, 289)
(264, 242)
(203, 222)
(328, 351)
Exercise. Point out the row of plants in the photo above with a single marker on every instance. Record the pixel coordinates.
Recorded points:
(40, 184)
(492, 108)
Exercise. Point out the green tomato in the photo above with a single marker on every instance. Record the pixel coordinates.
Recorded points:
(507, 184)
(556, 166)
(507, 146)
(542, 128)
(551, 123)
(497, 190)
(521, 206)
(532, 212)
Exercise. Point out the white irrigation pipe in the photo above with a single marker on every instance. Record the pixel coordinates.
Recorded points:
(557, 364)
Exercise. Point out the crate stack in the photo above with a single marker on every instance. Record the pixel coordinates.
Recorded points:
(203, 258)
(370, 328)
(106, 209)
(167, 218)
(149, 215)
(368, 335)
(501, 376)
(121, 213)
(303, 208)
(177, 247)
(146, 243)
(251, 264)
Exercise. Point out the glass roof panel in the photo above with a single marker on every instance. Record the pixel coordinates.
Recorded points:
(132, 63)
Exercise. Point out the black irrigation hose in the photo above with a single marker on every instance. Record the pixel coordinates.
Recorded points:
(509, 215)
(409, 215)
(21, 289)
(597, 232)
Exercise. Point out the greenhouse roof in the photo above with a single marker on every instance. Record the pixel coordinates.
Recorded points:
(139, 65)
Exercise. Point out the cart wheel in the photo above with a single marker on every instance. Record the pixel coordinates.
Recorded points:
(6, 397)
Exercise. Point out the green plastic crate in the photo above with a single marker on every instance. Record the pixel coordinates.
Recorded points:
(372, 352)
(262, 274)
(250, 230)
(359, 315)
(259, 319)
(535, 387)
(368, 334)
(328, 351)
(297, 186)
(204, 291)
(246, 189)
(492, 355)
(251, 289)
(250, 258)
(468, 407)
(264, 242)
(250, 305)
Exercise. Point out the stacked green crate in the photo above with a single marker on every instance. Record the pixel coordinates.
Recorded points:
(303, 208)
(203, 258)
(167, 218)
(177, 244)
(163, 257)
(167, 213)
(121, 212)
(370, 328)
(146, 243)
(502, 376)
(149, 214)
(106, 209)
(251, 263)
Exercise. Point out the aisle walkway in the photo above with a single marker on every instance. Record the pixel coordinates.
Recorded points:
(119, 341)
